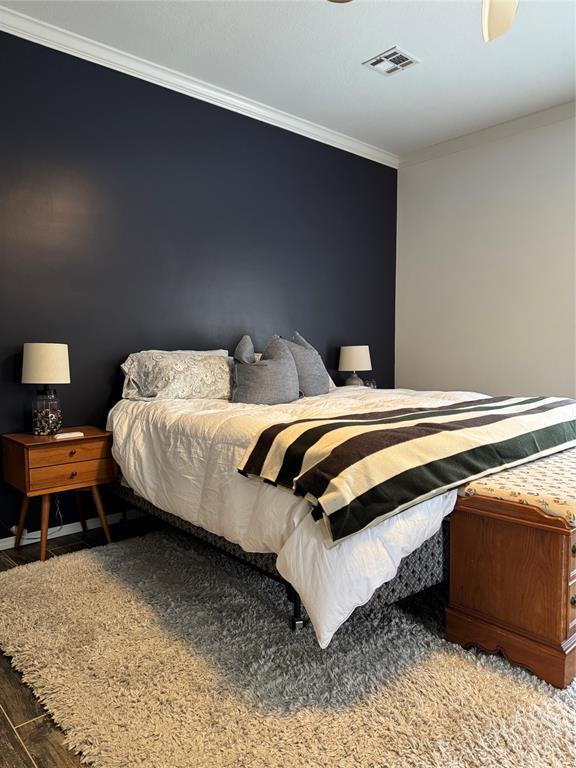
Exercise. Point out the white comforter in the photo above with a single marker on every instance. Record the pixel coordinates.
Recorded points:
(182, 455)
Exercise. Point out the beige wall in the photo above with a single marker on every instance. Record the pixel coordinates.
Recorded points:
(486, 286)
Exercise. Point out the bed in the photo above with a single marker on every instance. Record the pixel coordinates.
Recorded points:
(512, 587)
(161, 448)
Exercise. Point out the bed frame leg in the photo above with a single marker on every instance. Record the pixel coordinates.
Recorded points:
(297, 621)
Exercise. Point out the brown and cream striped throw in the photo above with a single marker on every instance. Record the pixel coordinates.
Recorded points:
(358, 469)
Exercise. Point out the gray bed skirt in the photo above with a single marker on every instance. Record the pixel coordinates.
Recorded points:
(425, 567)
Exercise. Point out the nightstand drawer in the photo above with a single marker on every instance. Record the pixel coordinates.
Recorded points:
(83, 450)
(81, 473)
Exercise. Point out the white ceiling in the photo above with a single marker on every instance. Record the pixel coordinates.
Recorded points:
(304, 57)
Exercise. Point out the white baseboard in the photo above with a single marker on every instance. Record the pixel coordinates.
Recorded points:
(64, 530)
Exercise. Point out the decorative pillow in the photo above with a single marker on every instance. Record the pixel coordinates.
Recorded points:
(160, 375)
(313, 377)
(244, 351)
(271, 380)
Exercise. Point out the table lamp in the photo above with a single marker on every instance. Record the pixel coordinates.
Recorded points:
(46, 364)
(356, 358)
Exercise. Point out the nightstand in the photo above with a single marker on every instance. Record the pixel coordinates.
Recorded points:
(43, 465)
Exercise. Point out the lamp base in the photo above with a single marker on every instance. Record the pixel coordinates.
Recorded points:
(46, 413)
(354, 380)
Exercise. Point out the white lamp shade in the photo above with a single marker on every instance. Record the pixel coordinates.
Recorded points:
(45, 364)
(355, 358)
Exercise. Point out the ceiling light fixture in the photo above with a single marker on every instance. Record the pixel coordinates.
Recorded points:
(497, 17)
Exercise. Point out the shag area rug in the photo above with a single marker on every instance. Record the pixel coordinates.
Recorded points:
(159, 652)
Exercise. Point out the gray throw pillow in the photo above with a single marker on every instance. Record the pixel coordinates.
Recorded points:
(271, 380)
(244, 351)
(313, 377)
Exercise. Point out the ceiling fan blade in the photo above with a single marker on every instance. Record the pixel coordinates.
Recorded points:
(497, 17)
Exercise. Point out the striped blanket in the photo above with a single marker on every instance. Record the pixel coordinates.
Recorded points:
(358, 469)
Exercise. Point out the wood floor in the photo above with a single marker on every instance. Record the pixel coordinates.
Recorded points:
(28, 736)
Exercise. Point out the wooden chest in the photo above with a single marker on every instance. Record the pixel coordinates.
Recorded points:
(513, 585)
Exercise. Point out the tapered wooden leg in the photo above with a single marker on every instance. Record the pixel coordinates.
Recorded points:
(21, 521)
(101, 513)
(45, 518)
(80, 509)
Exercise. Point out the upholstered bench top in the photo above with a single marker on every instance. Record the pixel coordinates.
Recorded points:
(548, 483)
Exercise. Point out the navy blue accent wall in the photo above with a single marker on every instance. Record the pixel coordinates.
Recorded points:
(133, 217)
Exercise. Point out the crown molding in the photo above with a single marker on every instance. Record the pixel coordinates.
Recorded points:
(82, 47)
(494, 133)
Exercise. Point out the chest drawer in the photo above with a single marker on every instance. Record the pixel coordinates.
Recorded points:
(76, 473)
(571, 611)
(85, 450)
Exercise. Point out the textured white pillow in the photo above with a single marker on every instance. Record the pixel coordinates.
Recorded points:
(160, 375)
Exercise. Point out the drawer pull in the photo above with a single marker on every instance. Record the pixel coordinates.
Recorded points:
(73, 475)
(72, 452)
(573, 600)
(574, 549)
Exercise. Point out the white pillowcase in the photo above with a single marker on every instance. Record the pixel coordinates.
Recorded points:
(182, 374)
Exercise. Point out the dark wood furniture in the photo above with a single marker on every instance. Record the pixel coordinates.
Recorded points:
(41, 466)
(513, 585)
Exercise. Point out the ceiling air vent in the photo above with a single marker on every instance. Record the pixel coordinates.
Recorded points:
(391, 61)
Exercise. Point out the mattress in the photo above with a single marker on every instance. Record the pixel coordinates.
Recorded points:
(182, 456)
